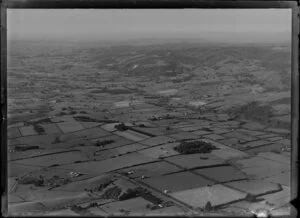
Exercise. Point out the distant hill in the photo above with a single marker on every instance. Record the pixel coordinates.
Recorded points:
(267, 66)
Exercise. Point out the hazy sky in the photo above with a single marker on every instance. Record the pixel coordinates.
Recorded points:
(227, 25)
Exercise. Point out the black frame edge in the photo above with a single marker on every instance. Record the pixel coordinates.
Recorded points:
(148, 4)
(3, 127)
(63, 4)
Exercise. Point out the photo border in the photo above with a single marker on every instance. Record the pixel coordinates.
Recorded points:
(153, 4)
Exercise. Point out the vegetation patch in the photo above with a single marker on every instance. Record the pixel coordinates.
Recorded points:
(251, 198)
(78, 209)
(153, 118)
(90, 119)
(56, 140)
(84, 119)
(39, 129)
(32, 180)
(194, 147)
(167, 117)
(104, 142)
(112, 193)
(56, 181)
(206, 129)
(142, 192)
(41, 121)
(162, 117)
(253, 111)
(279, 124)
(61, 113)
(140, 131)
(25, 147)
(130, 193)
(121, 127)
(100, 187)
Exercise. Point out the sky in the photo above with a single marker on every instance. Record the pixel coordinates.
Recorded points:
(222, 25)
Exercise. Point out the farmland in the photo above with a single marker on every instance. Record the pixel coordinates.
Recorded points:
(102, 130)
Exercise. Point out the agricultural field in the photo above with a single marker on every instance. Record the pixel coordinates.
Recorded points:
(168, 129)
